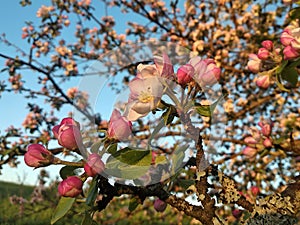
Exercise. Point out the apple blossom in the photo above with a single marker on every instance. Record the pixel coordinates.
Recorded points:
(206, 71)
(263, 53)
(290, 53)
(267, 44)
(266, 128)
(38, 156)
(249, 152)
(254, 64)
(263, 81)
(94, 165)
(164, 66)
(185, 74)
(68, 134)
(250, 140)
(145, 95)
(70, 187)
(118, 126)
(159, 205)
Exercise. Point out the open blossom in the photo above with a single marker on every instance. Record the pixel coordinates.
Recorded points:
(254, 64)
(206, 71)
(94, 165)
(37, 156)
(145, 94)
(118, 126)
(70, 187)
(68, 134)
(164, 66)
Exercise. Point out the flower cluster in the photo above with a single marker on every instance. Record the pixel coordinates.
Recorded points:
(290, 38)
(267, 58)
(69, 136)
(258, 140)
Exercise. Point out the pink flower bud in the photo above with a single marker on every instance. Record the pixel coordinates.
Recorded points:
(266, 128)
(206, 71)
(68, 134)
(94, 165)
(267, 143)
(185, 74)
(255, 190)
(159, 205)
(237, 213)
(254, 64)
(286, 37)
(263, 81)
(38, 156)
(250, 140)
(263, 54)
(119, 127)
(249, 152)
(268, 45)
(70, 187)
(290, 53)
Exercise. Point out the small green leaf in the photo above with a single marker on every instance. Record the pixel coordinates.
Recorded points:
(294, 13)
(64, 205)
(207, 110)
(290, 75)
(128, 163)
(93, 192)
(204, 110)
(185, 183)
(279, 84)
(135, 157)
(88, 220)
(112, 149)
(133, 204)
(67, 171)
(169, 115)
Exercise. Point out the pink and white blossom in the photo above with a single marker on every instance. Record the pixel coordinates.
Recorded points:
(119, 127)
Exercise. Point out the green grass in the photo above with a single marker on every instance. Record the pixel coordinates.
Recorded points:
(8, 189)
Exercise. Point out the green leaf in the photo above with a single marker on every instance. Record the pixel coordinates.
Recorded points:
(279, 84)
(128, 163)
(290, 75)
(131, 156)
(133, 204)
(112, 149)
(207, 110)
(185, 183)
(204, 110)
(64, 205)
(67, 171)
(93, 192)
(295, 13)
(127, 171)
(88, 220)
(169, 115)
